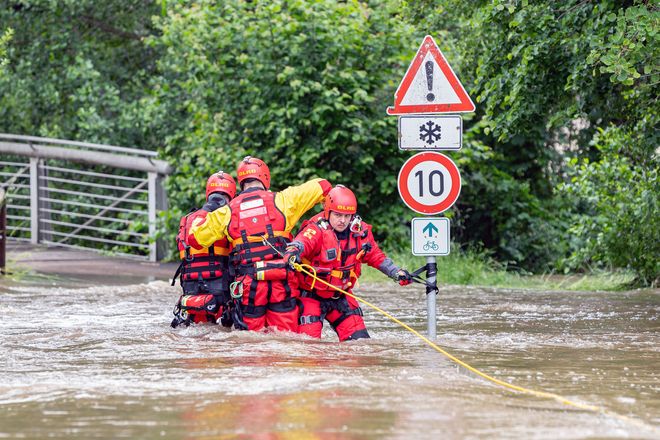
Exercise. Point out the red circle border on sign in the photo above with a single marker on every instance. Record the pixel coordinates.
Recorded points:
(408, 199)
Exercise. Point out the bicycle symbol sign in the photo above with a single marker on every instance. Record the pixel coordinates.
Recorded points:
(431, 246)
(430, 236)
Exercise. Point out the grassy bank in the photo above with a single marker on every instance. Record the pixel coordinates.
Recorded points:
(474, 269)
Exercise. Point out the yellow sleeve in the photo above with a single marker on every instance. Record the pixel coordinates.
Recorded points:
(297, 200)
(206, 231)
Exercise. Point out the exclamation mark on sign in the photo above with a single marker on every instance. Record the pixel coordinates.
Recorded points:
(429, 80)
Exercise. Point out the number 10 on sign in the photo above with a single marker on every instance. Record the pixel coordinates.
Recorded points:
(429, 183)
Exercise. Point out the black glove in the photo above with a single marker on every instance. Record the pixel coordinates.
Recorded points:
(404, 278)
(178, 319)
(293, 251)
(215, 201)
(226, 320)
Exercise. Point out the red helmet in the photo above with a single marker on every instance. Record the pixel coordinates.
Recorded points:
(253, 168)
(221, 182)
(340, 199)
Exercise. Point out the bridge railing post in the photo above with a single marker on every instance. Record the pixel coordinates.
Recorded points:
(45, 227)
(153, 246)
(39, 206)
(3, 231)
(34, 200)
(157, 203)
(161, 205)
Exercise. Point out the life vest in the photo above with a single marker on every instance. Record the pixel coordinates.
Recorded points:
(257, 230)
(339, 261)
(201, 265)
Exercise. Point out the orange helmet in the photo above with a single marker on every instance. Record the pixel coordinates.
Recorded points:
(221, 182)
(340, 199)
(253, 168)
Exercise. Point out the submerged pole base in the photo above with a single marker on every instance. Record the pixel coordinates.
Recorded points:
(431, 292)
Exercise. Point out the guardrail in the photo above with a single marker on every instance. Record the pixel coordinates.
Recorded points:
(83, 195)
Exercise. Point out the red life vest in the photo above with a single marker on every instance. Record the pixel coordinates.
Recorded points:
(205, 264)
(339, 261)
(257, 229)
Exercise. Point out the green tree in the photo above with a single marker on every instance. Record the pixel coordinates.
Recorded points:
(536, 68)
(303, 85)
(77, 69)
(547, 77)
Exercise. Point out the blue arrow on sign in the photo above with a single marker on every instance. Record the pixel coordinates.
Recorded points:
(430, 228)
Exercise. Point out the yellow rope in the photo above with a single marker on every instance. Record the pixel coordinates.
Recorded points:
(557, 397)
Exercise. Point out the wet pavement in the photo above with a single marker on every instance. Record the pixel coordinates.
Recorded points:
(25, 260)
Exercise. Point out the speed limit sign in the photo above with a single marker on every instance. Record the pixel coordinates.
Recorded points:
(429, 183)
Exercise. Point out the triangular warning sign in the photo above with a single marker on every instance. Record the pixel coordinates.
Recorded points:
(430, 85)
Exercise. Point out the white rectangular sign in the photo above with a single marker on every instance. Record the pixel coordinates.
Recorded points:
(430, 236)
(432, 132)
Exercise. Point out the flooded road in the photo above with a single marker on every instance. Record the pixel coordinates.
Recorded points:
(102, 362)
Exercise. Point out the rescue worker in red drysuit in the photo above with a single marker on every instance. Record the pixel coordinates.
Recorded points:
(258, 224)
(336, 242)
(203, 273)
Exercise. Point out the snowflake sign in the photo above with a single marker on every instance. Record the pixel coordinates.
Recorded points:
(430, 132)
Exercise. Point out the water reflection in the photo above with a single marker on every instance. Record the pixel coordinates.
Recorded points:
(300, 415)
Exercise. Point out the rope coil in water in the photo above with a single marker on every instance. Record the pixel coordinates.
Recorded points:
(303, 269)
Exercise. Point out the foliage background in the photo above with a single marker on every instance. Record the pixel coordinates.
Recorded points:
(559, 162)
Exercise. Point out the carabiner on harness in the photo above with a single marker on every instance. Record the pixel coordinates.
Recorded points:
(188, 256)
(356, 224)
(236, 286)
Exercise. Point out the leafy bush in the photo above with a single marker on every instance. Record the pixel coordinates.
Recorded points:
(496, 211)
(617, 220)
(4, 40)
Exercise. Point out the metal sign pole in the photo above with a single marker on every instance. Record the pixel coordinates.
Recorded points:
(421, 127)
(431, 289)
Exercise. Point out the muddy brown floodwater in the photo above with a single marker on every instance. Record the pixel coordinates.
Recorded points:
(84, 361)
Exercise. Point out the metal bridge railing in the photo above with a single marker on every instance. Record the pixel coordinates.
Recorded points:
(83, 195)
